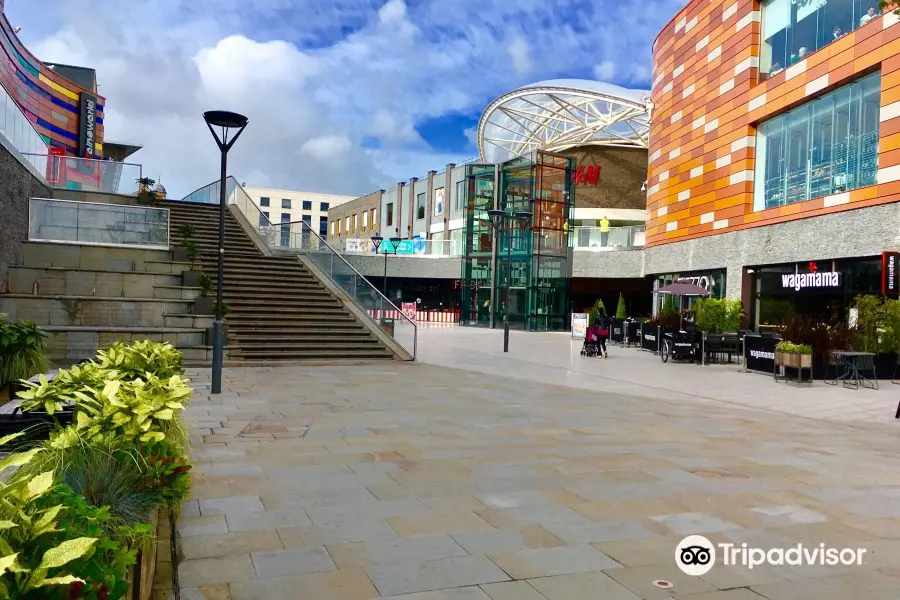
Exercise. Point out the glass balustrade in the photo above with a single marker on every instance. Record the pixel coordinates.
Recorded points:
(17, 128)
(99, 224)
(616, 238)
(90, 175)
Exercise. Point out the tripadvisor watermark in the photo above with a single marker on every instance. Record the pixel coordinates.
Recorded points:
(696, 555)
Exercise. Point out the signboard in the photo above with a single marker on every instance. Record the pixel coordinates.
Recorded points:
(87, 126)
(617, 331)
(580, 325)
(586, 175)
(413, 246)
(357, 245)
(890, 274)
(818, 279)
(703, 281)
(650, 338)
(439, 202)
(409, 309)
(760, 353)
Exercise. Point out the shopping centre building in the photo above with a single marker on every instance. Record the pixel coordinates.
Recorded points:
(572, 155)
(774, 166)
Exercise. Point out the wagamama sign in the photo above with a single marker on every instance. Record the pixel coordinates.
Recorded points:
(798, 281)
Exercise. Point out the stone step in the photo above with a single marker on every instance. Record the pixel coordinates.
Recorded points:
(282, 302)
(357, 336)
(312, 354)
(291, 323)
(175, 292)
(91, 311)
(80, 343)
(80, 282)
(167, 266)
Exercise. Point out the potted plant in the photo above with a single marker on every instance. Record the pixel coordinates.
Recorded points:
(21, 354)
(620, 309)
(793, 355)
(146, 190)
(204, 304)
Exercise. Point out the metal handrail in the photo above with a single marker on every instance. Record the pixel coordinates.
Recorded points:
(338, 254)
(322, 241)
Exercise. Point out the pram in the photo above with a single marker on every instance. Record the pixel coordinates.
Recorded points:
(590, 347)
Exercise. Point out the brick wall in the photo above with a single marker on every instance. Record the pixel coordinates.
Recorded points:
(708, 101)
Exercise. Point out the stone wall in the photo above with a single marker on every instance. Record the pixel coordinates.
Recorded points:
(18, 183)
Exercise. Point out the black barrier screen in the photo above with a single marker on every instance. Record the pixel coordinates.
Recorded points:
(760, 353)
(634, 333)
(617, 333)
(650, 338)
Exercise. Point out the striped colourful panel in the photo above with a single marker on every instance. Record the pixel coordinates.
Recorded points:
(708, 101)
(51, 102)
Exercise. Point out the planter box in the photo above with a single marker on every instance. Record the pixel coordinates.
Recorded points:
(37, 425)
(191, 278)
(791, 359)
(806, 360)
(203, 305)
(209, 335)
(179, 254)
(779, 357)
(143, 573)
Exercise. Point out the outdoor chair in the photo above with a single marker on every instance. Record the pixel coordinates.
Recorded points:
(714, 346)
(859, 366)
(732, 344)
(835, 364)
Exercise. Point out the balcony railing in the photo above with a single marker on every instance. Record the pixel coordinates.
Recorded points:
(617, 238)
(90, 175)
(17, 128)
(90, 223)
(416, 247)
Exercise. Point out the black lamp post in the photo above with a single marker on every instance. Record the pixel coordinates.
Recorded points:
(226, 121)
(377, 241)
(497, 218)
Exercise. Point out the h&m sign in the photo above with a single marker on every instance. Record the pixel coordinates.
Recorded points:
(87, 128)
(890, 273)
(586, 175)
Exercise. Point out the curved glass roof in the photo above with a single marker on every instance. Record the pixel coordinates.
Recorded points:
(558, 114)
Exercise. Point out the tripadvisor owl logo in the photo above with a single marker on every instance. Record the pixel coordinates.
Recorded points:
(695, 555)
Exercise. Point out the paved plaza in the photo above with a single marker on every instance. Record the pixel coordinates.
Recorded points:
(507, 479)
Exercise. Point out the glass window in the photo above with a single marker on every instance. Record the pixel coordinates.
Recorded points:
(373, 218)
(354, 223)
(323, 206)
(285, 217)
(263, 201)
(459, 203)
(420, 206)
(286, 203)
(365, 220)
(792, 29)
(824, 147)
(264, 219)
(346, 224)
(323, 225)
(307, 219)
(333, 228)
(390, 214)
(307, 205)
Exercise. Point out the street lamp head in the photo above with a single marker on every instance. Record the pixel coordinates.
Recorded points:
(376, 241)
(227, 121)
(396, 240)
(523, 217)
(497, 217)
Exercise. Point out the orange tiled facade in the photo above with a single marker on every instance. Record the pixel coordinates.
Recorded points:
(707, 103)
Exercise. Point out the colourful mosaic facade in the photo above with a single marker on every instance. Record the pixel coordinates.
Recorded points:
(709, 98)
(51, 102)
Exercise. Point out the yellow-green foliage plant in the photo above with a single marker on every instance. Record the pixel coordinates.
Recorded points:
(26, 570)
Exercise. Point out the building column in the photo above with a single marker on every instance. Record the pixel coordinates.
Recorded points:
(495, 247)
(408, 234)
(398, 210)
(448, 207)
(429, 203)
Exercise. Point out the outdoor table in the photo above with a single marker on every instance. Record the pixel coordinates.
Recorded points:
(852, 371)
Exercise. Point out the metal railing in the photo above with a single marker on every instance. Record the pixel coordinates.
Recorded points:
(18, 129)
(417, 247)
(91, 175)
(299, 238)
(593, 239)
(99, 224)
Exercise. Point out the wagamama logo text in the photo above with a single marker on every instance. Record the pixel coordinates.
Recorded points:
(804, 280)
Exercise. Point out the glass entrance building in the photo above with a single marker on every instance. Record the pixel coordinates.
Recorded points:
(531, 283)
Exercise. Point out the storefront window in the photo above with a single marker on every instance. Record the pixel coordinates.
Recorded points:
(713, 281)
(824, 147)
(792, 29)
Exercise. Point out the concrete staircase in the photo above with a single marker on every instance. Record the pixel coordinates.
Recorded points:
(87, 297)
(277, 308)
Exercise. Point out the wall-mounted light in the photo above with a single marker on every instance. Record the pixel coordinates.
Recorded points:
(644, 186)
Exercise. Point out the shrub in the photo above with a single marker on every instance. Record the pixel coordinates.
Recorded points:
(792, 348)
(597, 310)
(870, 313)
(620, 309)
(21, 351)
(716, 315)
(822, 337)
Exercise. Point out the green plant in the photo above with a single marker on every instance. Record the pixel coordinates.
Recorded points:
(620, 309)
(891, 335)
(869, 321)
(186, 231)
(21, 351)
(716, 315)
(596, 311)
(135, 360)
(893, 5)
(225, 308)
(29, 564)
(167, 470)
(822, 337)
(105, 570)
(792, 348)
(146, 191)
(206, 285)
(142, 409)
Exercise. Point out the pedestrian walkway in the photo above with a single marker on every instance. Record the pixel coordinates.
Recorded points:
(555, 358)
(424, 482)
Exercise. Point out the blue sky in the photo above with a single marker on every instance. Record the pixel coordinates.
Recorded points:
(343, 96)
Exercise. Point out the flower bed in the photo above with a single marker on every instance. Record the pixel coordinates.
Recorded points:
(82, 508)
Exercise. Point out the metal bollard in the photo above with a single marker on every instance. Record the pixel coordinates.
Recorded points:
(744, 355)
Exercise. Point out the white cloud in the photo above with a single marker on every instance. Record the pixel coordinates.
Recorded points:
(519, 52)
(320, 80)
(605, 71)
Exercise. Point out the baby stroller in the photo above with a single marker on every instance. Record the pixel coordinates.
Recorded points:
(590, 347)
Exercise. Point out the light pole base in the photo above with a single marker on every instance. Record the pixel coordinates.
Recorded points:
(506, 336)
(218, 343)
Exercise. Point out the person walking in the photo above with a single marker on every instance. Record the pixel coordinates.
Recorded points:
(604, 232)
(601, 325)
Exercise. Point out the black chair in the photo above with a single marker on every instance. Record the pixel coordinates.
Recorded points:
(835, 364)
(714, 346)
(732, 343)
(860, 365)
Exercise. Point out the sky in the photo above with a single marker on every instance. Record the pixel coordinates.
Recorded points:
(343, 96)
